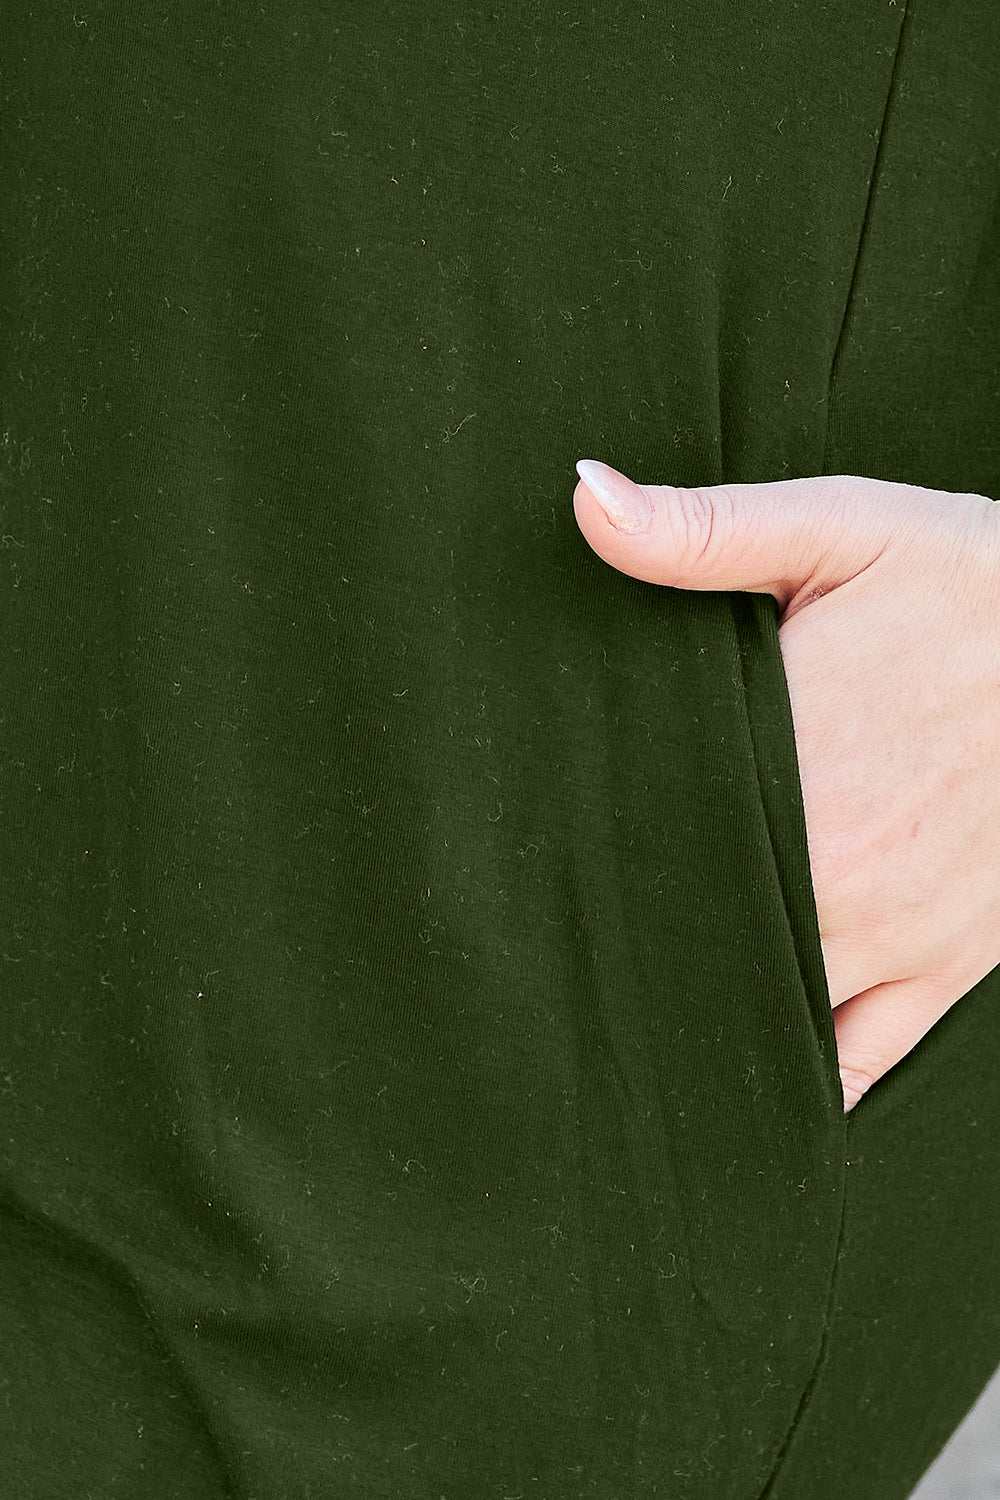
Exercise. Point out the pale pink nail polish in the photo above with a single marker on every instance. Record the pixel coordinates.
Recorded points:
(623, 502)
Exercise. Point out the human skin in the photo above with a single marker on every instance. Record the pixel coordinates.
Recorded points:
(890, 639)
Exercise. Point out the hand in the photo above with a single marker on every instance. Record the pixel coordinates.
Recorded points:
(890, 639)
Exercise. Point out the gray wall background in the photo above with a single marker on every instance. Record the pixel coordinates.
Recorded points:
(969, 1468)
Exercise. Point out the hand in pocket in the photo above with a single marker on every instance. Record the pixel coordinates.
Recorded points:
(890, 638)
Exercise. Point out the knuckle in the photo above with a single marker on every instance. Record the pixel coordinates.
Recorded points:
(698, 518)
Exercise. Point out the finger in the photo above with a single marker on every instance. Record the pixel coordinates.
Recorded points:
(877, 1028)
(779, 537)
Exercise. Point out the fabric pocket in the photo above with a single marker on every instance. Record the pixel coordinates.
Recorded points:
(772, 734)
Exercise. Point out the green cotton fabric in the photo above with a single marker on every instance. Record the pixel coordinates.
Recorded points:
(417, 1070)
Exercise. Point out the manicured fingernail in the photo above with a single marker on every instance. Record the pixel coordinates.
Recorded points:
(623, 502)
(852, 1095)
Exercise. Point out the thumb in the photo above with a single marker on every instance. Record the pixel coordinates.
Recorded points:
(876, 1029)
(793, 538)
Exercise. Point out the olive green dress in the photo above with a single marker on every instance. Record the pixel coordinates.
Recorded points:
(417, 1070)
